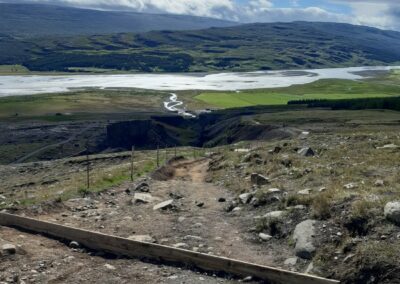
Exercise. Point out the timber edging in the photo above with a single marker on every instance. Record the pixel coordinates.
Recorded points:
(163, 254)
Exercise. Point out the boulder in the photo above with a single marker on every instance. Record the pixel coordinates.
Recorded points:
(379, 183)
(392, 212)
(306, 152)
(258, 179)
(142, 198)
(169, 204)
(304, 237)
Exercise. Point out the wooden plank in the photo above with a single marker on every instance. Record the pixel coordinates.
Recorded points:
(163, 254)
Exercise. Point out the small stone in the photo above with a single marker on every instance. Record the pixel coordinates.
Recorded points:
(290, 261)
(248, 279)
(274, 215)
(236, 209)
(142, 198)
(142, 187)
(109, 266)
(306, 152)
(74, 244)
(264, 237)
(221, 199)
(181, 219)
(379, 183)
(305, 191)
(351, 185)
(180, 245)
(142, 238)
(199, 204)
(258, 179)
(9, 249)
(245, 197)
(164, 205)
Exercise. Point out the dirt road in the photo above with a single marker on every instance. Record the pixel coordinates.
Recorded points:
(198, 222)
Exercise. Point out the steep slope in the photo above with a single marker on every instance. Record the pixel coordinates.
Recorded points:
(43, 20)
(265, 46)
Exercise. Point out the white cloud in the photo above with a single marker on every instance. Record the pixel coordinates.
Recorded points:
(378, 13)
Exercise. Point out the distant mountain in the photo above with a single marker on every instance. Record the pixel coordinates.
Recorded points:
(44, 20)
(268, 46)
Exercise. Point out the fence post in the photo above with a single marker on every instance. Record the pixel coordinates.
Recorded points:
(158, 156)
(132, 155)
(166, 154)
(175, 151)
(87, 171)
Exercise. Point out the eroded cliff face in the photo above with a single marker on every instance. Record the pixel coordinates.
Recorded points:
(146, 134)
(208, 130)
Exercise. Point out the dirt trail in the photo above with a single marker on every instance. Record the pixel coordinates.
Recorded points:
(198, 223)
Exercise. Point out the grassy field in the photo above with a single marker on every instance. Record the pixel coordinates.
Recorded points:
(323, 89)
(61, 106)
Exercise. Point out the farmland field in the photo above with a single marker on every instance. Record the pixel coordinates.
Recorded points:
(323, 89)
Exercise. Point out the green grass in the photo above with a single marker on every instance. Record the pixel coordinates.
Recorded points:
(13, 70)
(322, 89)
(59, 107)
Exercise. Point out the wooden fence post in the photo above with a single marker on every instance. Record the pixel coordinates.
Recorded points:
(87, 171)
(158, 156)
(132, 155)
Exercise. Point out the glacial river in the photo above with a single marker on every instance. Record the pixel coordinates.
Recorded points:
(37, 84)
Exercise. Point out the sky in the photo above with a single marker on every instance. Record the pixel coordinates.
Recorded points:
(383, 14)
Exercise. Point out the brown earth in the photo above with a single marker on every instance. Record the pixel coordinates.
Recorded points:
(198, 222)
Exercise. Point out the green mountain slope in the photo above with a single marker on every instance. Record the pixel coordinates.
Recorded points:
(42, 20)
(241, 48)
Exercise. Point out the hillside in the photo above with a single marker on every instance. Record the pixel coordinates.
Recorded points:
(44, 20)
(266, 46)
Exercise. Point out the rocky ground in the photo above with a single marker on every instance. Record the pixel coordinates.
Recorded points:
(325, 202)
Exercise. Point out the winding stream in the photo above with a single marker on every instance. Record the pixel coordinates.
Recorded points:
(174, 105)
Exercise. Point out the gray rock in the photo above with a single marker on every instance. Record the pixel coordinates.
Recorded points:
(392, 212)
(351, 185)
(290, 261)
(9, 249)
(309, 268)
(389, 146)
(142, 187)
(245, 197)
(180, 245)
(379, 183)
(74, 244)
(109, 266)
(304, 237)
(164, 205)
(142, 198)
(264, 237)
(306, 191)
(275, 215)
(251, 157)
(142, 238)
(258, 179)
(306, 152)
